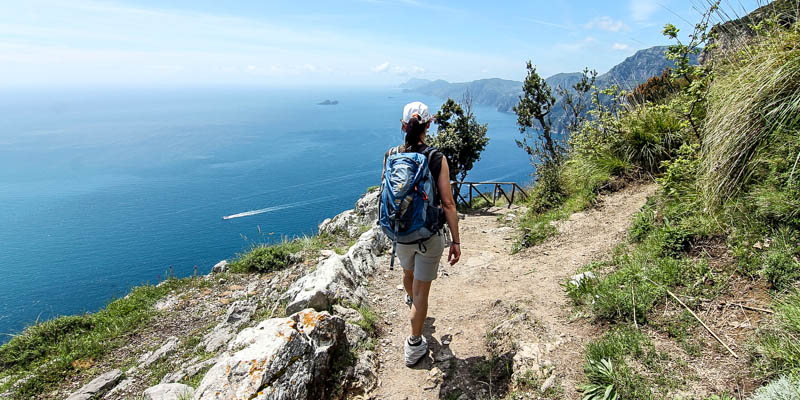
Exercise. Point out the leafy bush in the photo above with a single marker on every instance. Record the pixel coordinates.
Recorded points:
(657, 89)
(680, 174)
(549, 191)
(262, 259)
(781, 265)
(368, 321)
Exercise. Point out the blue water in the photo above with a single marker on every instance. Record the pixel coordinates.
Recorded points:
(104, 190)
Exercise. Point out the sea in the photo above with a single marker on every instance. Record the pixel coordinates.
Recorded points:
(105, 189)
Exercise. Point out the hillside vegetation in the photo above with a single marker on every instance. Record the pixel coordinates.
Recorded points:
(504, 94)
(720, 241)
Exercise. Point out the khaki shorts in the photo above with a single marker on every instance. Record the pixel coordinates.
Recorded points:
(422, 258)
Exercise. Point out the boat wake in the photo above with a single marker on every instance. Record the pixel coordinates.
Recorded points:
(278, 208)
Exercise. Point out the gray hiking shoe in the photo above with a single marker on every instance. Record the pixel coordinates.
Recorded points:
(409, 300)
(415, 353)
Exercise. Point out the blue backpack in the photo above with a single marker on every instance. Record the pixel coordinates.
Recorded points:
(408, 213)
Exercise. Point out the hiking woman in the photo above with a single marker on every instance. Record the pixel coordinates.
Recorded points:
(420, 262)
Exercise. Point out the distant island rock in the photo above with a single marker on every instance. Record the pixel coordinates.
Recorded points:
(328, 103)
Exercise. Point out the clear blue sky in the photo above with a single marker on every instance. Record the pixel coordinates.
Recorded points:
(346, 42)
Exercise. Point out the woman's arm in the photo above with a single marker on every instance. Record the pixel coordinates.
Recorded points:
(450, 213)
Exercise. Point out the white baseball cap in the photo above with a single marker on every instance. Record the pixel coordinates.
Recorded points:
(416, 109)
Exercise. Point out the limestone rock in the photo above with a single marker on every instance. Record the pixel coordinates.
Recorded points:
(362, 377)
(121, 387)
(98, 386)
(221, 266)
(350, 222)
(577, 280)
(169, 391)
(548, 383)
(338, 277)
(238, 314)
(217, 338)
(347, 313)
(354, 335)
(189, 371)
(281, 358)
(367, 205)
(534, 357)
(167, 302)
(167, 349)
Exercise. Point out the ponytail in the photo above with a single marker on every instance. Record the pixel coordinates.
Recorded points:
(414, 130)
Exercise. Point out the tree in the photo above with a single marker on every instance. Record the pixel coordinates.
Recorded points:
(534, 108)
(459, 136)
(576, 100)
(698, 77)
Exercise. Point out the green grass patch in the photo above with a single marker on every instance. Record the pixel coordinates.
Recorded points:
(778, 348)
(265, 258)
(46, 351)
(557, 194)
(368, 321)
(608, 367)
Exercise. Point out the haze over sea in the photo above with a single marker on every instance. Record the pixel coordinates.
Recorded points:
(102, 190)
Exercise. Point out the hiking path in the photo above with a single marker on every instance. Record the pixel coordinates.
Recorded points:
(493, 310)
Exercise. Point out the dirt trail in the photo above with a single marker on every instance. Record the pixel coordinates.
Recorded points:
(521, 293)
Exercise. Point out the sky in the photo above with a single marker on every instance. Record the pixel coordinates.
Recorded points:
(345, 42)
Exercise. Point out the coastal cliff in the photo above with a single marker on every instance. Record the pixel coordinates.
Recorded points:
(297, 332)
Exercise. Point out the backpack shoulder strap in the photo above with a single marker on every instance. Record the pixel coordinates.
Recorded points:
(390, 152)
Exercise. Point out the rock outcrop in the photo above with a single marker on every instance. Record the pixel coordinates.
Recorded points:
(219, 267)
(169, 391)
(352, 221)
(339, 278)
(238, 314)
(98, 386)
(281, 358)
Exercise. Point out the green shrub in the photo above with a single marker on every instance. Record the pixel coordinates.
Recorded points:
(262, 259)
(652, 135)
(680, 174)
(643, 223)
(583, 291)
(673, 239)
(781, 268)
(548, 191)
(784, 388)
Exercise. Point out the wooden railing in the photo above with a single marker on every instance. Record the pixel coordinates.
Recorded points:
(496, 192)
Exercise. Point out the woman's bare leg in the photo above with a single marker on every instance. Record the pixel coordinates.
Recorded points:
(419, 310)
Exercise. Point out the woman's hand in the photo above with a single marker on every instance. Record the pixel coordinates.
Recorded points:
(455, 253)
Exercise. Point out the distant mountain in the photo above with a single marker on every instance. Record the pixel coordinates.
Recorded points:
(504, 94)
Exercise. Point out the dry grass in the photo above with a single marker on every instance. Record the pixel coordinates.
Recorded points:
(756, 95)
